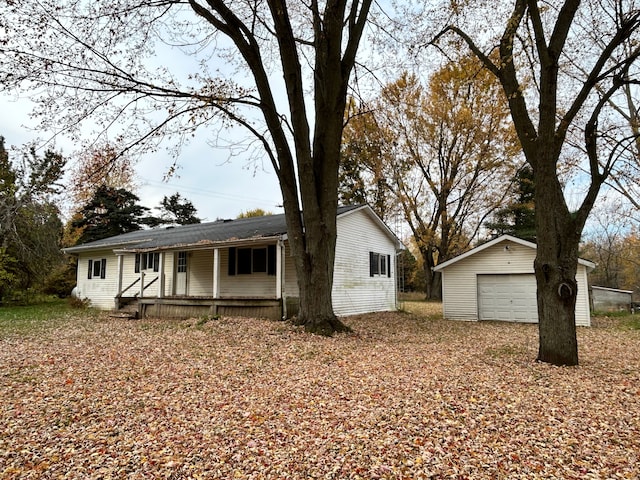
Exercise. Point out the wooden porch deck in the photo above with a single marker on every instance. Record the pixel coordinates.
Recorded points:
(187, 307)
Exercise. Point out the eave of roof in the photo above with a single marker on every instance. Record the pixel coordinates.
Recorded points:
(589, 265)
(203, 235)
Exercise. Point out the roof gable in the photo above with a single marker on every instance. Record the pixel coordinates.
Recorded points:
(496, 241)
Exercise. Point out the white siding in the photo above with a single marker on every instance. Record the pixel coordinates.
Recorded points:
(100, 291)
(459, 285)
(354, 290)
(290, 275)
(200, 273)
(459, 280)
(129, 276)
(583, 313)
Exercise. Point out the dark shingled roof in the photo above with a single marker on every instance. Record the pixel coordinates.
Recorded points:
(196, 234)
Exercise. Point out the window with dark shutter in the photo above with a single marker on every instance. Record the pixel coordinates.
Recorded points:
(97, 268)
(389, 266)
(232, 261)
(137, 266)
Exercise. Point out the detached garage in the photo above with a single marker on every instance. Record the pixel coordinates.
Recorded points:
(495, 281)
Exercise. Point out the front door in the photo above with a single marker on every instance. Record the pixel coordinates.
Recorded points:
(181, 273)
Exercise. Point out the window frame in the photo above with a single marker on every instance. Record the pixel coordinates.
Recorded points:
(379, 265)
(147, 261)
(248, 261)
(97, 269)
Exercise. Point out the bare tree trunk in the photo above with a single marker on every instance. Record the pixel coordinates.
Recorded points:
(433, 284)
(555, 269)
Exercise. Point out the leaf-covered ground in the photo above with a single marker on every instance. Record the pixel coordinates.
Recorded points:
(403, 397)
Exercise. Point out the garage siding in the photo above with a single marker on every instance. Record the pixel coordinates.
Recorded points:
(460, 287)
(460, 280)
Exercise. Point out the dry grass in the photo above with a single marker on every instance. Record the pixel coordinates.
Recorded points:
(403, 397)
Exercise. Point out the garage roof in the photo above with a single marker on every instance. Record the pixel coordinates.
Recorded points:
(495, 241)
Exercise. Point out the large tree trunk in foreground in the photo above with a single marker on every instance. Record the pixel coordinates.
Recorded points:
(555, 269)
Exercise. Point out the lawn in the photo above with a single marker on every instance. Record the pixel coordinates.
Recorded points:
(407, 395)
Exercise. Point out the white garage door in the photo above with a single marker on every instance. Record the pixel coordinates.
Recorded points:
(507, 297)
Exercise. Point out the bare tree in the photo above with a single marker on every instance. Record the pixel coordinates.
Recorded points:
(445, 155)
(91, 60)
(551, 99)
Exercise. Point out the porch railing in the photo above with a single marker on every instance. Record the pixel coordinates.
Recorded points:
(121, 294)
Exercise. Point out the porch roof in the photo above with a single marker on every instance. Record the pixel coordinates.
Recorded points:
(199, 234)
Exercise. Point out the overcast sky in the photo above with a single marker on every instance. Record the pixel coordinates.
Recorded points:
(219, 187)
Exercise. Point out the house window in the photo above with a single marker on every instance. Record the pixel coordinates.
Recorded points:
(147, 261)
(245, 261)
(97, 268)
(379, 265)
(182, 262)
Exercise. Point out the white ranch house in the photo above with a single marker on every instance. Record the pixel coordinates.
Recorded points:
(496, 281)
(235, 267)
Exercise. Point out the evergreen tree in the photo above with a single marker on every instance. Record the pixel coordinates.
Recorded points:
(111, 211)
(174, 210)
(518, 218)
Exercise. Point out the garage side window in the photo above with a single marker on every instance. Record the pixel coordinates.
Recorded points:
(379, 265)
(97, 268)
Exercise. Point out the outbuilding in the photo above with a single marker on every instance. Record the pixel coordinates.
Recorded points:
(605, 299)
(496, 281)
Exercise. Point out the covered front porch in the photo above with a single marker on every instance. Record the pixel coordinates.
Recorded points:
(232, 279)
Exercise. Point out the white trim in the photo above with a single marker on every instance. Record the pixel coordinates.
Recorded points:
(495, 241)
(119, 277)
(216, 273)
(279, 269)
(161, 275)
(617, 290)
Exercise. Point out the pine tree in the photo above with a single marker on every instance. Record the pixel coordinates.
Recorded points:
(111, 211)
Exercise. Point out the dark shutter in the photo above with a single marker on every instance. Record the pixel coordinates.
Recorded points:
(232, 260)
(271, 260)
(103, 268)
(389, 266)
(90, 269)
(244, 261)
(156, 262)
(372, 269)
(137, 263)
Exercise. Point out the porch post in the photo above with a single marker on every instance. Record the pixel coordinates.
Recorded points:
(279, 270)
(119, 278)
(161, 275)
(141, 282)
(216, 273)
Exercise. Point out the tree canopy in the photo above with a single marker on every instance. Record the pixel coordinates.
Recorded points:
(440, 155)
(296, 61)
(174, 209)
(30, 227)
(110, 212)
(560, 83)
